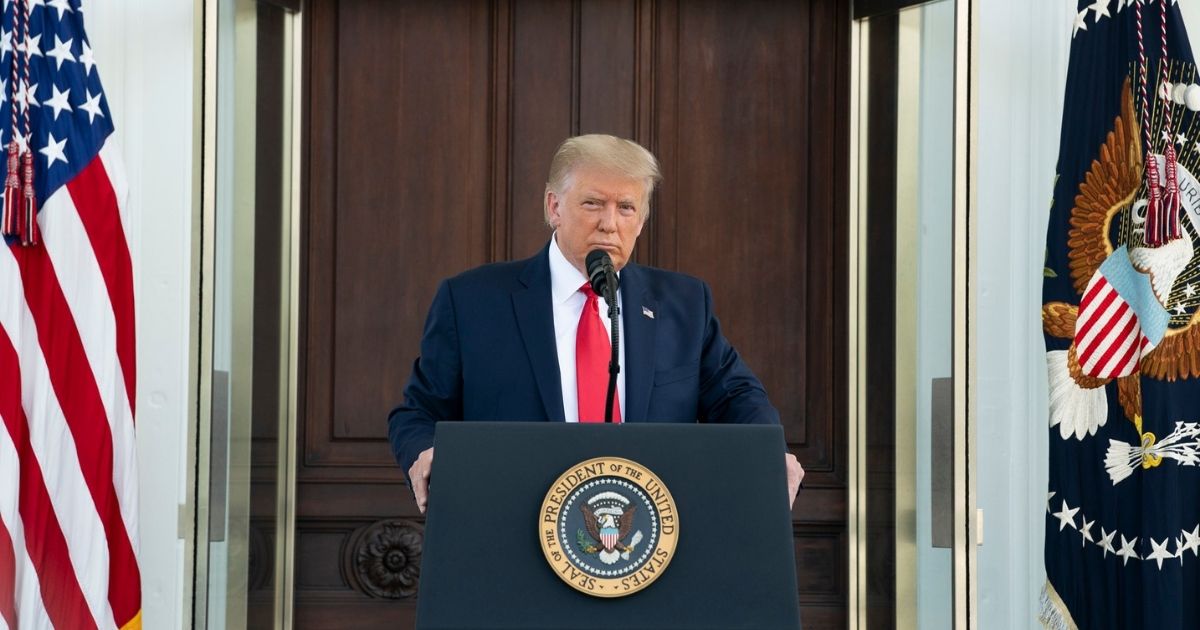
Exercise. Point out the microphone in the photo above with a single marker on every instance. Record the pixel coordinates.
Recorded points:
(601, 274)
(603, 278)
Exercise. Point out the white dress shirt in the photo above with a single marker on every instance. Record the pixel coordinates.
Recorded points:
(568, 300)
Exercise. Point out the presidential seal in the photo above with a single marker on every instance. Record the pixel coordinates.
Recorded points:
(608, 527)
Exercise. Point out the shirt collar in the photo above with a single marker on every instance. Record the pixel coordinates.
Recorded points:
(565, 279)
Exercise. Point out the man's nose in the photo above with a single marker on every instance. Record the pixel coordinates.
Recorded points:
(608, 218)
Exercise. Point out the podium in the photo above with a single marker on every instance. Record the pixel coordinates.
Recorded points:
(483, 563)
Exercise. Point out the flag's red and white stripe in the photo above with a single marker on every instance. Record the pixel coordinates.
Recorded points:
(1108, 338)
(68, 482)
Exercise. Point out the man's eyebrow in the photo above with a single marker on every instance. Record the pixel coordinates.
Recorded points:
(595, 194)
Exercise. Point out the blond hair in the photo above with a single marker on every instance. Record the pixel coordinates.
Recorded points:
(619, 155)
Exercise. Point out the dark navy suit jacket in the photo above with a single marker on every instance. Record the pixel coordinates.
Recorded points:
(489, 353)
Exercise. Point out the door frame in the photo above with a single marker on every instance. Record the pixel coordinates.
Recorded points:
(202, 454)
(966, 522)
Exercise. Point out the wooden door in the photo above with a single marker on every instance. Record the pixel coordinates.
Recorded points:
(429, 128)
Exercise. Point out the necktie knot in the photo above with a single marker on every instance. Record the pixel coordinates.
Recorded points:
(587, 291)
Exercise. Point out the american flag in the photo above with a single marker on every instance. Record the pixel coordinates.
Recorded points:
(68, 502)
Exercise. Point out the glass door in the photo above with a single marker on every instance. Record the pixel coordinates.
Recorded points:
(248, 313)
(910, 494)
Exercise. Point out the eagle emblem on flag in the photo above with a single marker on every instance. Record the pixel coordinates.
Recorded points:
(1120, 308)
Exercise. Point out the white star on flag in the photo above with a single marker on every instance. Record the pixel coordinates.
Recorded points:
(86, 58)
(1101, 8)
(91, 105)
(1160, 552)
(1085, 531)
(1127, 550)
(22, 143)
(1066, 517)
(1080, 24)
(61, 51)
(33, 44)
(26, 96)
(1191, 540)
(54, 151)
(1106, 541)
(63, 6)
(59, 101)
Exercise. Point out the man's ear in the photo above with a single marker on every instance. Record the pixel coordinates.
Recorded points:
(553, 209)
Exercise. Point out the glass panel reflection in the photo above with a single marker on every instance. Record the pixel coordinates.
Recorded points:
(907, 160)
(250, 304)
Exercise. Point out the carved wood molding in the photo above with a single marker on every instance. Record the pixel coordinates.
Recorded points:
(383, 559)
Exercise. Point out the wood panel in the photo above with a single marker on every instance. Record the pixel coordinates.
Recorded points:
(747, 155)
(401, 203)
(544, 111)
(606, 50)
(429, 129)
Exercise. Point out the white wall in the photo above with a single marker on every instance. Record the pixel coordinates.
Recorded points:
(144, 53)
(1023, 47)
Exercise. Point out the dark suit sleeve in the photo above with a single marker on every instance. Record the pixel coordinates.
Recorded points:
(729, 391)
(434, 391)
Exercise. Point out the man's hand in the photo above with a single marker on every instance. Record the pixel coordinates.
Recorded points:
(795, 474)
(418, 477)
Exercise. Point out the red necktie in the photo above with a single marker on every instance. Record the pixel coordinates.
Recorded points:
(593, 352)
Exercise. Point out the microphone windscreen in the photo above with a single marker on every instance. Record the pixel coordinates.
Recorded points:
(598, 265)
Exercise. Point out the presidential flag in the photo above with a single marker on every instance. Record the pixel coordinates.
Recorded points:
(1120, 313)
(68, 480)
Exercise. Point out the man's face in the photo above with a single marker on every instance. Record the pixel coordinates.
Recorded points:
(599, 210)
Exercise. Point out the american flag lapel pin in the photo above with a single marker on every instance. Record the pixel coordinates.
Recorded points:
(647, 312)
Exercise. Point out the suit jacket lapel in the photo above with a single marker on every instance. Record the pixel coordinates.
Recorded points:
(638, 336)
(535, 318)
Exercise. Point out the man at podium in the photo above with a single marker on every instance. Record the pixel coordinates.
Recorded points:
(529, 340)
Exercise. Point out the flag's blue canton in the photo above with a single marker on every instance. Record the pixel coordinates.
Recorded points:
(1119, 555)
(68, 105)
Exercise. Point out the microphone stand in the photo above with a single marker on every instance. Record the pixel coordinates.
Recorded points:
(614, 318)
